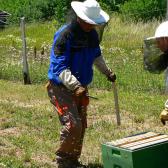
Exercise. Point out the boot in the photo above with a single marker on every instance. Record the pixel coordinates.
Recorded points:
(77, 164)
(64, 164)
(70, 164)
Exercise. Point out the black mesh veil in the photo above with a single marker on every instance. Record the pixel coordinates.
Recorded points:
(72, 17)
(155, 61)
(100, 29)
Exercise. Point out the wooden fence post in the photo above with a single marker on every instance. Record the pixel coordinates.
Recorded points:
(166, 72)
(26, 76)
(167, 11)
(166, 81)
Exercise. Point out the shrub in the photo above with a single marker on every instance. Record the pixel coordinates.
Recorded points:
(37, 10)
(111, 5)
(34, 10)
(20, 8)
(143, 9)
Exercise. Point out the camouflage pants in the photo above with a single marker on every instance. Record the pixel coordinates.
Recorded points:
(72, 115)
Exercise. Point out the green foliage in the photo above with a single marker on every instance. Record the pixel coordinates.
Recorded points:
(34, 10)
(48, 9)
(35, 137)
(19, 8)
(144, 9)
(113, 5)
(121, 48)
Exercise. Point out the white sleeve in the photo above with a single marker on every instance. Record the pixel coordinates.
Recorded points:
(166, 104)
(69, 80)
(102, 66)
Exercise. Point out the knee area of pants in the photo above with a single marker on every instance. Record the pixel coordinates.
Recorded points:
(77, 127)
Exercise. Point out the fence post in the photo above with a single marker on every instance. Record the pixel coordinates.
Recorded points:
(167, 11)
(166, 81)
(166, 72)
(24, 54)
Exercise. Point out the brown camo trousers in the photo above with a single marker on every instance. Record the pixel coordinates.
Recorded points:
(72, 115)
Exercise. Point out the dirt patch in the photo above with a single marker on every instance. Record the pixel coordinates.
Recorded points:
(10, 131)
(31, 104)
(6, 148)
(43, 159)
(2, 120)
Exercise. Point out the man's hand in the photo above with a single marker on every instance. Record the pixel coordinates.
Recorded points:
(164, 116)
(111, 77)
(79, 91)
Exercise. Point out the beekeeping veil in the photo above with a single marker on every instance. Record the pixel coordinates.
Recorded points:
(91, 12)
(155, 60)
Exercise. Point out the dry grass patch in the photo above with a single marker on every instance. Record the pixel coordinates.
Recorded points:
(10, 132)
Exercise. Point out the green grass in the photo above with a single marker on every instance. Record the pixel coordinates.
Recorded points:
(121, 46)
(29, 128)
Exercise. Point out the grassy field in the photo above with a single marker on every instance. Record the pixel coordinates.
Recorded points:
(121, 46)
(29, 128)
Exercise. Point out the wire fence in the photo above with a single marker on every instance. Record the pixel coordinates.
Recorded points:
(126, 62)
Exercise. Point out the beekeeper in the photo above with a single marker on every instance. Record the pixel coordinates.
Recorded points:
(156, 57)
(156, 50)
(74, 51)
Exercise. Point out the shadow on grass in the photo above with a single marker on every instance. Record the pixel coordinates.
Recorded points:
(94, 165)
